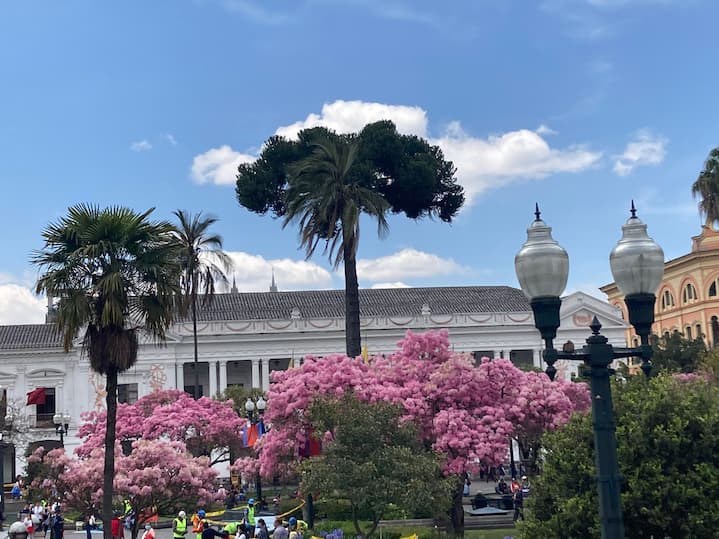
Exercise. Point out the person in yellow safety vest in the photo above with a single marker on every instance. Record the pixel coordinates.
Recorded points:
(179, 526)
(250, 517)
(231, 528)
(198, 523)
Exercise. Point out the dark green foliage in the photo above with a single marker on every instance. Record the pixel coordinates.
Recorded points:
(667, 435)
(674, 353)
(411, 174)
(324, 181)
(375, 464)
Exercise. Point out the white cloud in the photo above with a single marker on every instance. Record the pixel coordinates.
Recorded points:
(396, 284)
(18, 305)
(218, 165)
(646, 148)
(481, 163)
(253, 273)
(141, 146)
(405, 264)
(171, 139)
(352, 116)
(499, 160)
(545, 130)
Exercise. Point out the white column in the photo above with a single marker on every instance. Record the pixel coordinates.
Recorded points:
(255, 373)
(265, 374)
(223, 375)
(180, 375)
(537, 358)
(212, 365)
(495, 354)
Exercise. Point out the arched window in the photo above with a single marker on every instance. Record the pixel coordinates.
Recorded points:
(713, 290)
(667, 300)
(689, 293)
(715, 332)
(688, 332)
(698, 327)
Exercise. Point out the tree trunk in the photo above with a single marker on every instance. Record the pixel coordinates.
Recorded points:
(109, 468)
(352, 307)
(308, 512)
(196, 391)
(457, 511)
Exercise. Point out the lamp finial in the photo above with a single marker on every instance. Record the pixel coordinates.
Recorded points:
(633, 210)
(537, 213)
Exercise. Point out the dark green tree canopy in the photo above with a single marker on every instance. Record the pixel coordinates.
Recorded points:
(406, 170)
(373, 461)
(667, 434)
(675, 353)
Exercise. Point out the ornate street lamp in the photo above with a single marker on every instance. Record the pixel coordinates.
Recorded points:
(250, 407)
(62, 424)
(637, 264)
(7, 428)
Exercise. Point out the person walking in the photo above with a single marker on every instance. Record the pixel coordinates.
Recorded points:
(261, 529)
(518, 505)
(149, 532)
(198, 523)
(118, 532)
(280, 531)
(250, 517)
(57, 525)
(179, 526)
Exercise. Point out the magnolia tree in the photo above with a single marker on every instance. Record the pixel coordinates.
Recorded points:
(207, 427)
(465, 413)
(157, 476)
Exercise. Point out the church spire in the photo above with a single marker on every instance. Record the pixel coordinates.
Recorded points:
(273, 286)
(234, 290)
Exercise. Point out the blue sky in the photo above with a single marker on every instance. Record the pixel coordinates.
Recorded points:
(580, 105)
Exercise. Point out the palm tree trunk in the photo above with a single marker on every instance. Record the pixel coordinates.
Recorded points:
(352, 307)
(110, 435)
(194, 338)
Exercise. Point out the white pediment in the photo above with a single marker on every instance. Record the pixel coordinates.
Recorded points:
(578, 310)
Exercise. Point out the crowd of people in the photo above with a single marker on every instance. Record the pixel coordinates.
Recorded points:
(251, 526)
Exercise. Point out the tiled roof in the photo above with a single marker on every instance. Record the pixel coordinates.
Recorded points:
(315, 304)
(29, 336)
(373, 302)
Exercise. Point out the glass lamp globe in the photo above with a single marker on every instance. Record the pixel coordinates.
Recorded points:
(637, 261)
(542, 265)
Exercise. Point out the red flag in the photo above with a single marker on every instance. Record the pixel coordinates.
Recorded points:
(252, 436)
(36, 396)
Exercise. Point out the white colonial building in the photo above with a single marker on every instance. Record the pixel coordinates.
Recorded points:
(243, 337)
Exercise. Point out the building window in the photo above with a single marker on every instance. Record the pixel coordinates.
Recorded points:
(698, 327)
(688, 332)
(191, 390)
(479, 354)
(44, 412)
(127, 393)
(715, 332)
(667, 300)
(713, 290)
(523, 359)
(689, 293)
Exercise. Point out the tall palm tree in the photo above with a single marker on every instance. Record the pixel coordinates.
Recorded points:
(116, 273)
(706, 186)
(325, 197)
(204, 264)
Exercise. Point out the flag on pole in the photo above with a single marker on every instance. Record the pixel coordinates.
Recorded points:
(36, 396)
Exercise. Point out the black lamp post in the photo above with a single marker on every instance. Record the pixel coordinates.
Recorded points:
(62, 424)
(250, 407)
(637, 264)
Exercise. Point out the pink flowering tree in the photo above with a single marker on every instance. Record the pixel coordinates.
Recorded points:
(542, 405)
(464, 412)
(207, 427)
(158, 476)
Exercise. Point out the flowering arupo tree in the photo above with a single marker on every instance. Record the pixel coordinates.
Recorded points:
(464, 412)
(158, 476)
